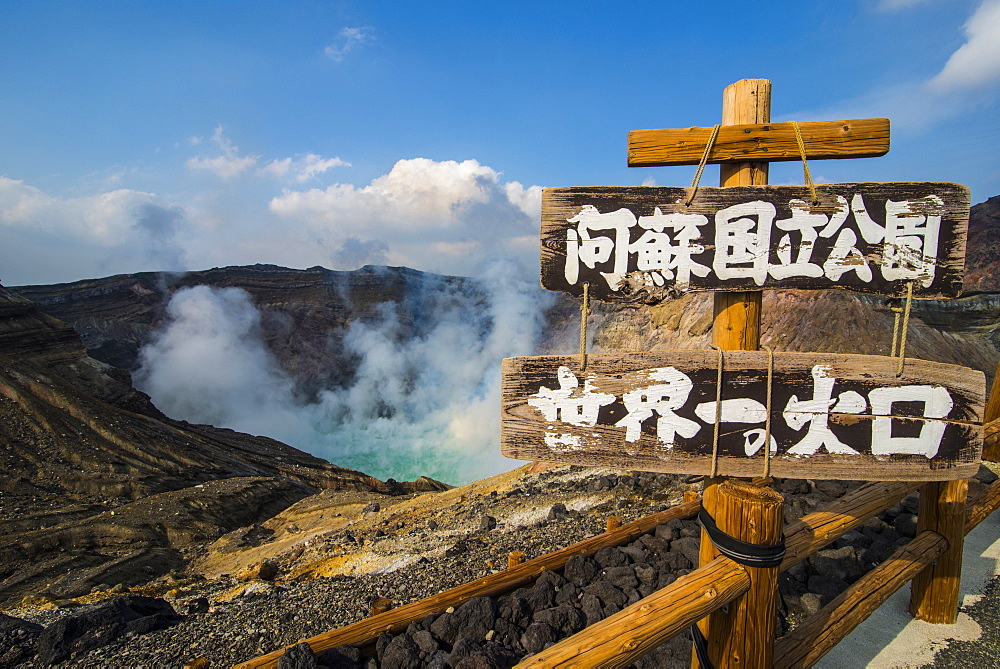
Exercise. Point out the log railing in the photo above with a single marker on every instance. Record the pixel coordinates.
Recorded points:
(364, 632)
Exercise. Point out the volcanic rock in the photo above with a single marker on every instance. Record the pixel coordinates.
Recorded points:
(97, 624)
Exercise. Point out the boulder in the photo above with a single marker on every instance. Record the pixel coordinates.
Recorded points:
(537, 637)
(299, 656)
(472, 620)
(400, 653)
(566, 619)
(97, 624)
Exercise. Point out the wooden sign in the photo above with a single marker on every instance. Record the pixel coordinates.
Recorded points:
(763, 142)
(834, 416)
(644, 245)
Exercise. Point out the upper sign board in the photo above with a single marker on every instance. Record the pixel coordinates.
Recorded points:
(833, 416)
(644, 245)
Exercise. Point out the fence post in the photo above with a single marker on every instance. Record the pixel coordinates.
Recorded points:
(742, 634)
(991, 438)
(934, 593)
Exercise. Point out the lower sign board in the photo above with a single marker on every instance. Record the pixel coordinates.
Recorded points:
(832, 416)
(645, 244)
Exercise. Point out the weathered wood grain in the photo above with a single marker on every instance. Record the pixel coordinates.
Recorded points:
(636, 411)
(644, 245)
(934, 594)
(980, 507)
(761, 142)
(742, 634)
(991, 422)
(735, 315)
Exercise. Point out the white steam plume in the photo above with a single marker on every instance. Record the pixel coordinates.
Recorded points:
(424, 399)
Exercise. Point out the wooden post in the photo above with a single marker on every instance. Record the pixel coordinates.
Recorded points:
(515, 558)
(736, 324)
(742, 635)
(737, 315)
(991, 437)
(934, 594)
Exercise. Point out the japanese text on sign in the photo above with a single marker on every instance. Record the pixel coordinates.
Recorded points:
(671, 247)
(645, 244)
(668, 391)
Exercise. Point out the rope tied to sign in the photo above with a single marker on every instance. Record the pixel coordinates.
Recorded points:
(898, 333)
(805, 163)
(767, 411)
(584, 313)
(701, 165)
(718, 413)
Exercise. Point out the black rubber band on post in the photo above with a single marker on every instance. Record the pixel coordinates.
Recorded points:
(701, 647)
(747, 554)
(741, 552)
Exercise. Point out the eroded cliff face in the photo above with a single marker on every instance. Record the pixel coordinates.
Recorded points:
(304, 313)
(983, 251)
(93, 472)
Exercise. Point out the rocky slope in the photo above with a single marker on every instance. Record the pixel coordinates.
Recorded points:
(102, 488)
(983, 255)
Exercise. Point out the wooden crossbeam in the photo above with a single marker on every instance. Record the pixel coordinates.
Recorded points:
(759, 142)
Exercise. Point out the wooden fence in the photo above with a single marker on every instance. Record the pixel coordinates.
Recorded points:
(637, 629)
(932, 561)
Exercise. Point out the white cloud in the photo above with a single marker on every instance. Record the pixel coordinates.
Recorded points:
(416, 194)
(451, 217)
(444, 216)
(48, 238)
(304, 168)
(347, 40)
(977, 62)
(100, 219)
(528, 200)
(227, 166)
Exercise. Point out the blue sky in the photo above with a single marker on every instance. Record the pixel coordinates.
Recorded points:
(185, 135)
